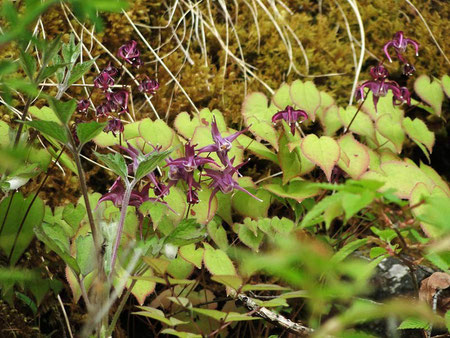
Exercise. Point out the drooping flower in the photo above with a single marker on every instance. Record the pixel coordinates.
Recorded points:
(103, 109)
(82, 106)
(111, 70)
(222, 180)
(148, 86)
(118, 101)
(190, 161)
(114, 125)
(116, 195)
(380, 86)
(103, 81)
(399, 42)
(130, 53)
(222, 145)
(291, 116)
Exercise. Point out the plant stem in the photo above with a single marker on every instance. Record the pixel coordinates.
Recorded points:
(354, 116)
(24, 116)
(123, 213)
(119, 309)
(31, 204)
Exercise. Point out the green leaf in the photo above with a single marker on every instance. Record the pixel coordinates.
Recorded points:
(11, 221)
(85, 254)
(246, 205)
(79, 70)
(159, 265)
(55, 239)
(192, 255)
(232, 281)
(296, 189)
(282, 97)
(331, 121)
(179, 268)
(323, 151)
(7, 67)
(49, 71)
(217, 262)
(50, 50)
(70, 51)
(249, 238)
(187, 231)
(418, 131)
(44, 113)
(256, 147)
(312, 216)
(258, 117)
(150, 163)
(157, 133)
(306, 96)
(414, 323)
(225, 316)
(353, 203)
(348, 249)
(142, 288)
(357, 155)
(181, 334)
(115, 162)
(218, 234)
(430, 92)
(362, 124)
(389, 128)
(28, 64)
(63, 110)
(88, 130)
(74, 215)
(49, 128)
(158, 315)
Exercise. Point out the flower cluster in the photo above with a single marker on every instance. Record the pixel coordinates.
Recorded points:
(380, 85)
(182, 169)
(116, 101)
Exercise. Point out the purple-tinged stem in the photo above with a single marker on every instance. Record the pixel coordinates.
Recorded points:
(123, 213)
(357, 111)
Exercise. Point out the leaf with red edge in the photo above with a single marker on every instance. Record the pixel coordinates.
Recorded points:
(306, 96)
(324, 152)
(357, 154)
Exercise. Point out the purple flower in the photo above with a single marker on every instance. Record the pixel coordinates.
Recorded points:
(159, 188)
(118, 101)
(103, 81)
(148, 86)
(82, 106)
(192, 196)
(291, 116)
(408, 69)
(103, 109)
(380, 86)
(115, 126)
(130, 53)
(117, 191)
(221, 144)
(111, 70)
(190, 161)
(399, 42)
(222, 180)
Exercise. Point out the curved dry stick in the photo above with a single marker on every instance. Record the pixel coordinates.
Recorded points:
(363, 47)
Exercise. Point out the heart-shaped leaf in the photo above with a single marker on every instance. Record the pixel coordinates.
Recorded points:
(331, 121)
(446, 84)
(282, 97)
(430, 92)
(157, 133)
(258, 115)
(296, 189)
(362, 124)
(357, 154)
(392, 130)
(323, 151)
(142, 288)
(217, 261)
(418, 131)
(306, 96)
(192, 255)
